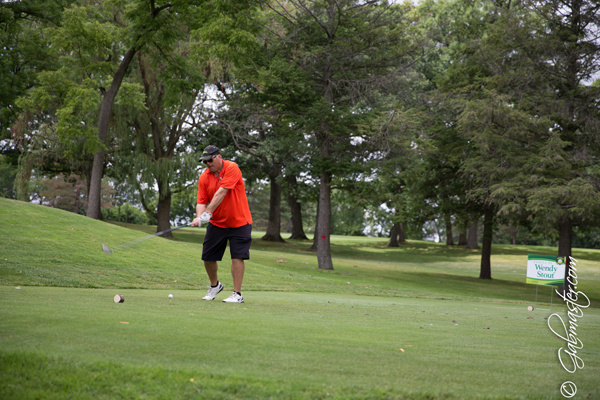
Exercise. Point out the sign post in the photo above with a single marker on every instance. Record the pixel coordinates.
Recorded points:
(545, 270)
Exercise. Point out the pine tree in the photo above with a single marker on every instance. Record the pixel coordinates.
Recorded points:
(535, 120)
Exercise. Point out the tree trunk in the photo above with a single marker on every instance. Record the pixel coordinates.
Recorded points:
(449, 238)
(513, 234)
(315, 241)
(462, 238)
(163, 212)
(23, 177)
(472, 239)
(94, 195)
(295, 210)
(324, 218)
(77, 202)
(486, 252)
(565, 237)
(565, 240)
(437, 229)
(396, 235)
(274, 225)
(463, 227)
(88, 178)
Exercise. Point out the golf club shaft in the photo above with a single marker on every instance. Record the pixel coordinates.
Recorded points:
(151, 236)
(169, 230)
(144, 238)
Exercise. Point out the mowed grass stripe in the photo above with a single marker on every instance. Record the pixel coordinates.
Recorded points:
(334, 341)
(302, 333)
(27, 375)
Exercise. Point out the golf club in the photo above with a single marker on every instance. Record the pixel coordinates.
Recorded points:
(107, 249)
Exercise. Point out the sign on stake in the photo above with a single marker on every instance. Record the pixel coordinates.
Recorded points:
(546, 271)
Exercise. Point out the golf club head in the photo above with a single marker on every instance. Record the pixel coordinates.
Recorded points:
(106, 249)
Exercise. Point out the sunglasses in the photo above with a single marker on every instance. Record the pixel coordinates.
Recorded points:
(211, 160)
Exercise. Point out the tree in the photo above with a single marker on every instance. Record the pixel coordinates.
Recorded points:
(125, 213)
(571, 41)
(294, 196)
(147, 23)
(470, 23)
(344, 52)
(397, 232)
(393, 169)
(536, 121)
(251, 124)
(56, 128)
(71, 107)
(153, 142)
(24, 51)
(472, 234)
(433, 183)
(64, 193)
(7, 177)
(260, 133)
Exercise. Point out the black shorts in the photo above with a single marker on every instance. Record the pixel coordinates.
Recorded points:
(216, 239)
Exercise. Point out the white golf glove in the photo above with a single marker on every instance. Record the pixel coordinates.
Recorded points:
(205, 217)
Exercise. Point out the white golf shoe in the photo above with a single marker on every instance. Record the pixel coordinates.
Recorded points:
(234, 298)
(213, 292)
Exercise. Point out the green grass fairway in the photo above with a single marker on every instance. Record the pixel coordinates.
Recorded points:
(406, 323)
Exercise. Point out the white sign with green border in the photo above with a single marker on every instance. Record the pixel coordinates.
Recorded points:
(545, 270)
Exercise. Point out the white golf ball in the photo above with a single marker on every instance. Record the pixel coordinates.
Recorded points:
(170, 296)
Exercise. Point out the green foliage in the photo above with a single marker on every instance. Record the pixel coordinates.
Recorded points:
(66, 193)
(25, 51)
(8, 172)
(68, 98)
(258, 195)
(57, 128)
(586, 238)
(524, 236)
(431, 110)
(125, 213)
(183, 205)
(347, 217)
(512, 77)
(60, 118)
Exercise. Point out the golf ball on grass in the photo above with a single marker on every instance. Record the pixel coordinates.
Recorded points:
(170, 296)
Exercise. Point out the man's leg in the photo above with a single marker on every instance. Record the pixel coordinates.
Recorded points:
(237, 271)
(213, 248)
(215, 287)
(239, 245)
(211, 269)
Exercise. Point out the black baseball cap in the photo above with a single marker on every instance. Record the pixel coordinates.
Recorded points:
(209, 152)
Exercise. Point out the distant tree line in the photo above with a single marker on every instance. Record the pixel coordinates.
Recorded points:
(439, 120)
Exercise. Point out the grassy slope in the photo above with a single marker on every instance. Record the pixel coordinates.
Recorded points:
(302, 333)
(49, 247)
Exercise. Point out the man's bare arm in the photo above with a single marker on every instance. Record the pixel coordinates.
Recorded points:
(216, 200)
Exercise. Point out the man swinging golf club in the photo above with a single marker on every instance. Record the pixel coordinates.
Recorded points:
(223, 206)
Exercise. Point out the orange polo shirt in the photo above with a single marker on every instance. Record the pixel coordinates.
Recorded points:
(233, 211)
